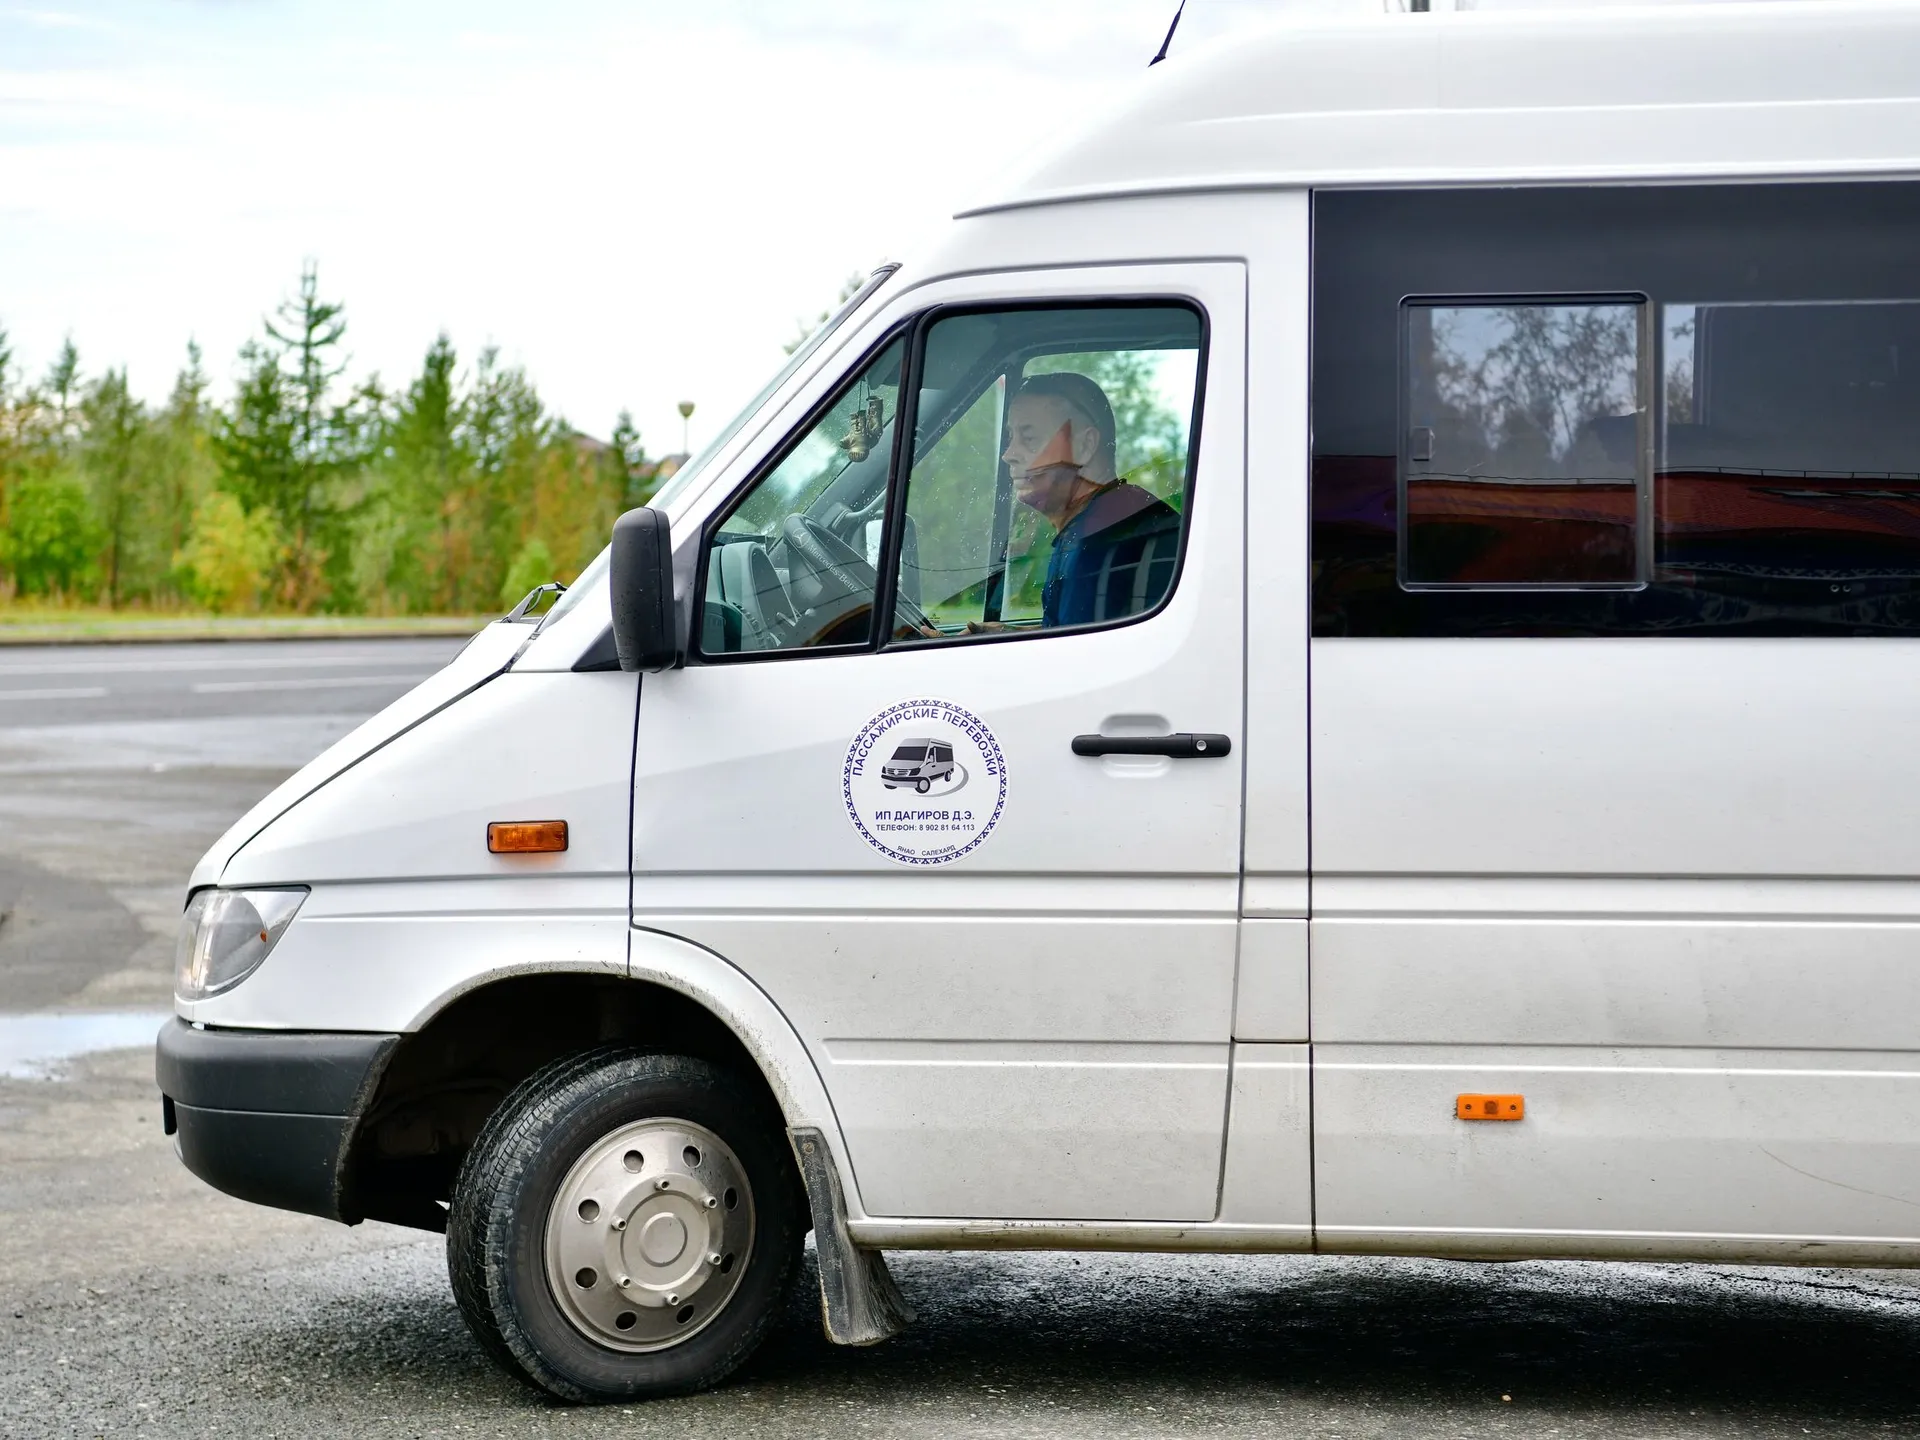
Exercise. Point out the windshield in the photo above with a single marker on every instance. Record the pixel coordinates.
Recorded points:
(684, 477)
(575, 592)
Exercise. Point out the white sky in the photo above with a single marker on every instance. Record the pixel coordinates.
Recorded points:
(635, 199)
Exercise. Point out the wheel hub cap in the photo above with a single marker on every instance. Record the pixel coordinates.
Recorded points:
(649, 1234)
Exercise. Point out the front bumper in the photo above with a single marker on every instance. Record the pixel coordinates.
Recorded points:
(268, 1115)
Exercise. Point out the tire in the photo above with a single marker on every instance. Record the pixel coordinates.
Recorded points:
(923, 786)
(569, 1136)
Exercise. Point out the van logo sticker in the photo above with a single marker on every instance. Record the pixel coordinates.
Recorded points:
(924, 782)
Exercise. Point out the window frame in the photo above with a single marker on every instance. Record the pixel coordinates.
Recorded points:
(771, 462)
(915, 328)
(1648, 421)
(893, 538)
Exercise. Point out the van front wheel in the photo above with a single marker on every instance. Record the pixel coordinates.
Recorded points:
(625, 1226)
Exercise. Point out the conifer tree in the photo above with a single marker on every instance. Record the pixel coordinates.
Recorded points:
(63, 390)
(309, 333)
(115, 427)
(183, 466)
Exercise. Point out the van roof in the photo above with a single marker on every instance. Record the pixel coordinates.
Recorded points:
(1801, 88)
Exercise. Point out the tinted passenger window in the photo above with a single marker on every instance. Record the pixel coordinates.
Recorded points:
(1792, 443)
(1050, 469)
(1676, 410)
(1521, 459)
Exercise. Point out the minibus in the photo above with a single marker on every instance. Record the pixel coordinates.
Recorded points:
(920, 761)
(1409, 530)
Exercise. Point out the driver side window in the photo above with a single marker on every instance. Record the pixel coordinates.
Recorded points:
(794, 565)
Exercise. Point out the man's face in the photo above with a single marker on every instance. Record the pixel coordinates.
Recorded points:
(1047, 443)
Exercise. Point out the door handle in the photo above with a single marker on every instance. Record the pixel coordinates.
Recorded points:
(1182, 746)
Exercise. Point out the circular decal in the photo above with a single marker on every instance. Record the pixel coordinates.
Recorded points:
(924, 782)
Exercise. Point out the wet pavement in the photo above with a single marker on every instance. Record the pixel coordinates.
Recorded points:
(135, 1301)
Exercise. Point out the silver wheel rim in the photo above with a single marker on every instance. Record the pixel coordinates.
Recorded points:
(649, 1235)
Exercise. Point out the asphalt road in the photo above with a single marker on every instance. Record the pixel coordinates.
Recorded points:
(102, 684)
(135, 1301)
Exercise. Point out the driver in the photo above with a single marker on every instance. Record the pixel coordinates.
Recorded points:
(1115, 545)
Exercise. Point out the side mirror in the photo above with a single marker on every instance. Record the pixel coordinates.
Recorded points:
(641, 584)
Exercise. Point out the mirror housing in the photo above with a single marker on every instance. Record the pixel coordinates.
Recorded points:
(640, 582)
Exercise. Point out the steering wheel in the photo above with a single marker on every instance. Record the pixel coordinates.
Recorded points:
(824, 571)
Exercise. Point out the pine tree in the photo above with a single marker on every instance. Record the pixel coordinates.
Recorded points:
(63, 388)
(255, 438)
(309, 334)
(285, 446)
(115, 427)
(633, 478)
(184, 465)
(423, 466)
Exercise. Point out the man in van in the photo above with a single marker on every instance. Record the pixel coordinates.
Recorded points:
(1115, 545)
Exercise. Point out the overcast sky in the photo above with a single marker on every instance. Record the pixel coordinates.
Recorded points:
(635, 200)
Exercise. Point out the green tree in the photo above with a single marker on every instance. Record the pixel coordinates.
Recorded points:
(419, 468)
(51, 534)
(633, 476)
(506, 430)
(287, 447)
(183, 470)
(63, 389)
(309, 333)
(301, 490)
(532, 566)
(114, 437)
(230, 555)
(9, 428)
(253, 440)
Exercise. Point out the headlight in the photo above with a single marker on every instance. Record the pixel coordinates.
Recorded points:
(225, 934)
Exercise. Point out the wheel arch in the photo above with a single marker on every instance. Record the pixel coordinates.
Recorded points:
(457, 1062)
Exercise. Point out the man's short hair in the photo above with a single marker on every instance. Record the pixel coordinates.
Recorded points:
(1081, 394)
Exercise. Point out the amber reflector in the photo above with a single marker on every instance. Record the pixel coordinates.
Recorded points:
(526, 837)
(1490, 1107)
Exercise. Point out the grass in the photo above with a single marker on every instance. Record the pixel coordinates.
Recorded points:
(28, 623)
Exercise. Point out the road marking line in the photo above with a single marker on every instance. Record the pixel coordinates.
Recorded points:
(330, 682)
(264, 662)
(83, 692)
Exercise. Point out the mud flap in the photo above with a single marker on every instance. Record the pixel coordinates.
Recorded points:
(859, 1303)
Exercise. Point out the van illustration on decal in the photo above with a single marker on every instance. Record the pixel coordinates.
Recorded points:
(918, 762)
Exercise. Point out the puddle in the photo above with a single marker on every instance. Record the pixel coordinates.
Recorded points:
(32, 1047)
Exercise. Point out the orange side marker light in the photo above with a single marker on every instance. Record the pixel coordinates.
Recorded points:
(526, 837)
(1490, 1107)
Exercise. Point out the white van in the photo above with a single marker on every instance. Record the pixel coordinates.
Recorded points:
(921, 761)
(1412, 534)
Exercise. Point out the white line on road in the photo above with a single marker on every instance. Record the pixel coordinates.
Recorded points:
(138, 667)
(80, 692)
(330, 682)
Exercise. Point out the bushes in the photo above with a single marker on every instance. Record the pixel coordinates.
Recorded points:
(51, 540)
(229, 555)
